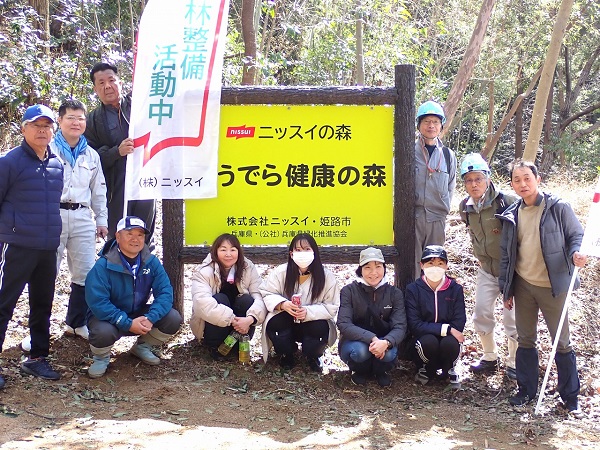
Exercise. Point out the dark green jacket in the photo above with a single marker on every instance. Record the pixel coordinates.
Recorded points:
(485, 228)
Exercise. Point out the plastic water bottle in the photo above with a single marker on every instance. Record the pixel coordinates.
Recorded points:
(228, 343)
(244, 349)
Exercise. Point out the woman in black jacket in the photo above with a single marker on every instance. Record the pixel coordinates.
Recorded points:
(371, 320)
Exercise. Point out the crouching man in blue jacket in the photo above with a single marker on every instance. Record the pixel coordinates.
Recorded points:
(117, 290)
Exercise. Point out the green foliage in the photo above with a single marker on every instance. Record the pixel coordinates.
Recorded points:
(314, 43)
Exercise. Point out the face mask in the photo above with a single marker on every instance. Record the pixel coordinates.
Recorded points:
(435, 273)
(303, 259)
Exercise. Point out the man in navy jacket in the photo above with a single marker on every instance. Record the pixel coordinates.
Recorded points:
(31, 183)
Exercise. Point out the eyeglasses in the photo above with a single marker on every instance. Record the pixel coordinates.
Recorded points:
(477, 180)
(74, 119)
(432, 122)
(38, 126)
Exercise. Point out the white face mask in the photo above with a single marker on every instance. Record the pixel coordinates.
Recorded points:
(303, 259)
(434, 273)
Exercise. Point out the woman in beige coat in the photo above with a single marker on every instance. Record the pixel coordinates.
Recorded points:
(310, 319)
(225, 295)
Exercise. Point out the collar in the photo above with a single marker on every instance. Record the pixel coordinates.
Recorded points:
(538, 201)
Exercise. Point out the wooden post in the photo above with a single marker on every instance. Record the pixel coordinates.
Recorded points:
(404, 187)
(172, 239)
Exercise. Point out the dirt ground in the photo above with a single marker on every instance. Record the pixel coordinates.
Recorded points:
(192, 402)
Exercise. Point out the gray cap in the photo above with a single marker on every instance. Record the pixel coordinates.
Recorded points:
(370, 254)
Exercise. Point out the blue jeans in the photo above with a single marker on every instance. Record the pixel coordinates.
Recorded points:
(358, 352)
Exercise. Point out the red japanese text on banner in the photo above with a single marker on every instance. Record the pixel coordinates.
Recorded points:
(176, 100)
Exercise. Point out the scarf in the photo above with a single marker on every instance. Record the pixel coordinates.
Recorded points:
(65, 150)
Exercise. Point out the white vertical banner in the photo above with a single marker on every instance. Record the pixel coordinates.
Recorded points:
(591, 238)
(176, 100)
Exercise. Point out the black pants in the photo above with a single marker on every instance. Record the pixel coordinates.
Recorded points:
(213, 334)
(436, 352)
(37, 268)
(284, 333)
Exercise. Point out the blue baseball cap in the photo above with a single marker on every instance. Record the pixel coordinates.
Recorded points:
(34, 112)
(434, 251)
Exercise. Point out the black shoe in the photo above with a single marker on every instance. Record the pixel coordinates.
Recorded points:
(215, 355)
(287, 361)
(315, 364)
(383, 379)
(2, 383)
(483, 366)
(511, 373)
(358, 379)
(39, 367)
(520, 399)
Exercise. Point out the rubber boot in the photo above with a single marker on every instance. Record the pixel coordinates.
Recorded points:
(527, 371)
(101, 358)
(568, 379)
(142, 349)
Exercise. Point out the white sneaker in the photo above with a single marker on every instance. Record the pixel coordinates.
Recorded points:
(79, 331)
(26, 344)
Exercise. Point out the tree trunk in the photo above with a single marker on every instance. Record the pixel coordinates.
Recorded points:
(463, 76)
(360, 62)
(490, 127)
(488, 150)
(42, 7)
(249, 35)
(519, 117)
(537, 118)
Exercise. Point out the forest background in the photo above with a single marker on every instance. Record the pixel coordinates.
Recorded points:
(489, 61)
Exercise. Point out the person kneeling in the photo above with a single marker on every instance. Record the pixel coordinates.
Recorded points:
(435, 311)
(117, 290)
(371, 320)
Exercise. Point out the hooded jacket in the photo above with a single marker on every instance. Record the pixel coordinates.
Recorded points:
(206, 282)
(114, 295)
(366, 312)
(30, 190)
(430, 312)
(485, 228)
(560, 234)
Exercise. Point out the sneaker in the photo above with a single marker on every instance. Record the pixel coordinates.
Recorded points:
(99, 366)
(358, 379)
(383, 379)
(26, 343)
(520, 399)
(453, 379)
(421, 376)
(483, 366)
(315, 364)
(79, 331)
(287, 362)
(143, 350)
(39, 367)
(511, 373)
